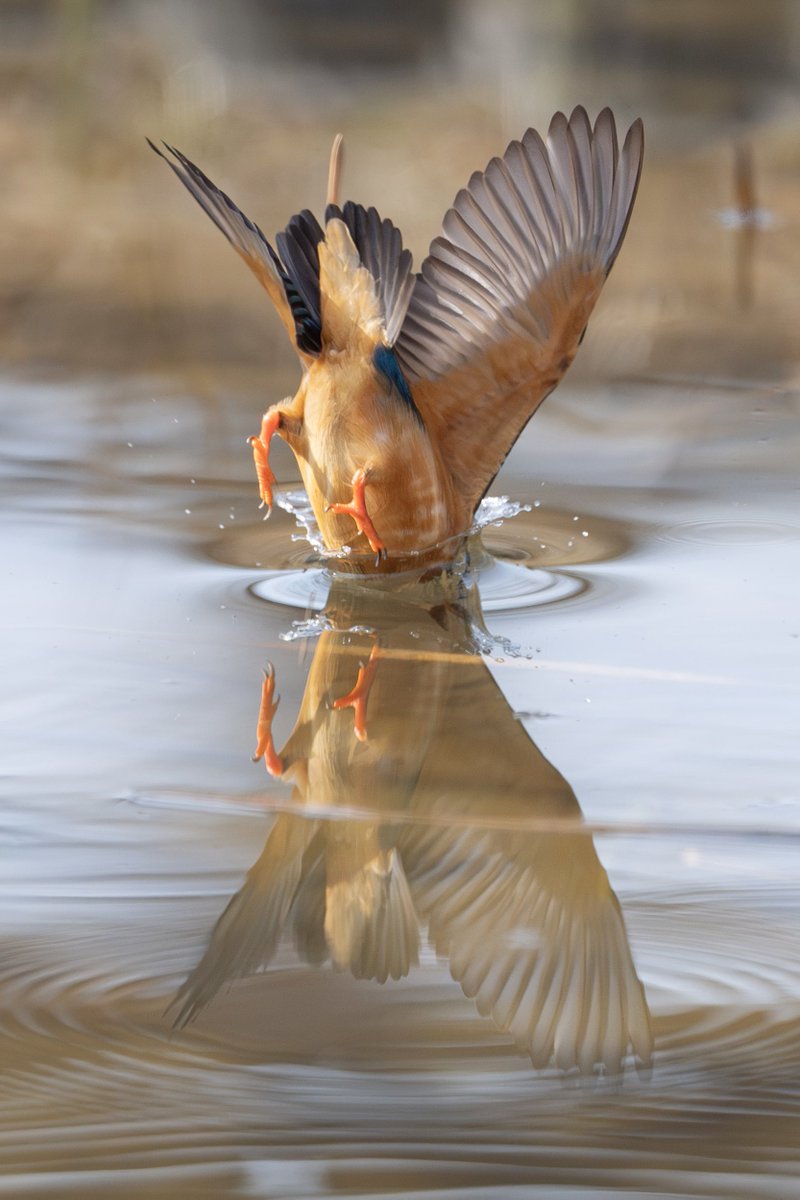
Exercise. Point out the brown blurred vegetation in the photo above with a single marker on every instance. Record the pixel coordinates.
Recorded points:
(109, 267)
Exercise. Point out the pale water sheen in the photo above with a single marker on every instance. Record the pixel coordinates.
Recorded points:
(653, 682)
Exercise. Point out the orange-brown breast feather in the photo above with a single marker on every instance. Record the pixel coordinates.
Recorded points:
(504, 295)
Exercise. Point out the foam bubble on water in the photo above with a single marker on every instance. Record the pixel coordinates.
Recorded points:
(496, 647)
(312, 627)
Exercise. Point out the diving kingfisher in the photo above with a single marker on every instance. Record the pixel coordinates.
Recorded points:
(415, 386)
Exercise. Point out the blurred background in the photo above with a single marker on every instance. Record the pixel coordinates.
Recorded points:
(109, 267)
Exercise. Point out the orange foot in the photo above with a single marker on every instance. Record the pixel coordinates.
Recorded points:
(358, 511)
(260, 443)
(264, 745)
(357, 698)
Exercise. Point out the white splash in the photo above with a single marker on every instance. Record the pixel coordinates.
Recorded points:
(497, 647)
(493, 510)
(298, 504)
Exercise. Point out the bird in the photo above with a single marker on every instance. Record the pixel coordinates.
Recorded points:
(437, 820)
(416, 385)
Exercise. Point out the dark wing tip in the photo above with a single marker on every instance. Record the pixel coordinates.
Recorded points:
(299, 278)
(636, 132)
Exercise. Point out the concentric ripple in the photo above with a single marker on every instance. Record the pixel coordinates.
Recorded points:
(513, 530)
(511, 573)
(336, 1086)
(503, 586)
(730, 533)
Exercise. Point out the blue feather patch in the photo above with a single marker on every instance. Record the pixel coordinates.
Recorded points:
(385, 361)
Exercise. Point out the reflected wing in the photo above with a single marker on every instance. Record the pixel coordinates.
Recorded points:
(503, 297)
(292, 285)
(535, 936)
(247, 934)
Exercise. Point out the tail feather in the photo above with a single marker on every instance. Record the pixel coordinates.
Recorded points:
(370, 922)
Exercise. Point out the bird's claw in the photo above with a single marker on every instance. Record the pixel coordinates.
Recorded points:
(358, 696)
(357, 509)
(265, 747)
(260, 445)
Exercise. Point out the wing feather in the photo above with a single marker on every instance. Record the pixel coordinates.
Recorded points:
(291, 290)
(535, 936)
(503, 297)
(298, 248)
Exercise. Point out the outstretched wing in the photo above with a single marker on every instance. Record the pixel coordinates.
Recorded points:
(502, 301)
(292, 285)
(352, 282)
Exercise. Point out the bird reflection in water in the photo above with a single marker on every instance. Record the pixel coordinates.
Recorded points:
(419, 800)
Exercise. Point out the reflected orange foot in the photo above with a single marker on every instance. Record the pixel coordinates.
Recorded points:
(358, 511)
(357, 698)
(260, 444)
(264, 745)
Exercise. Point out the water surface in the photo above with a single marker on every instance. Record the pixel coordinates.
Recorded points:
(577, 851)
